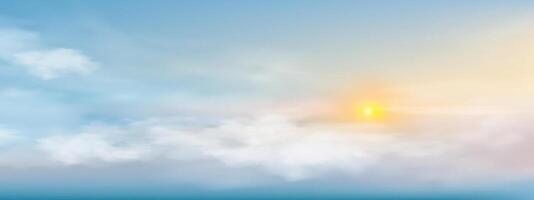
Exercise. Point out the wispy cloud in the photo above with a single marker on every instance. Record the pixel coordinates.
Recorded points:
(25, 49)
(87, 148)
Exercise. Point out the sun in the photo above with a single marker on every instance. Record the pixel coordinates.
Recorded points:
(373, 106)
(370, 111)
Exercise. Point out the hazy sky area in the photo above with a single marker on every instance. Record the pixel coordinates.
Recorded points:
(266, 99)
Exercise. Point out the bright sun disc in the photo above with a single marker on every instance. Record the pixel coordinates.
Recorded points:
(370, 111)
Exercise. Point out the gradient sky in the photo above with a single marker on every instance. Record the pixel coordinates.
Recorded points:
(250, 99)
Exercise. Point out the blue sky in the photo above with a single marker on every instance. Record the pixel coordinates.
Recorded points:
(248, 98)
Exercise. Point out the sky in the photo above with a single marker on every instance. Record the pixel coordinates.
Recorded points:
(266, 99)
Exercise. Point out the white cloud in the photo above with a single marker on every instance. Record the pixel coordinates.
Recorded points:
(24, 49)
(87, 148)
(53, 63)
(273, 144)
(474, 149)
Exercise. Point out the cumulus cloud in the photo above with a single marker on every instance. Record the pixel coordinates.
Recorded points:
(25, 49)
(273, 144)
(442, 151)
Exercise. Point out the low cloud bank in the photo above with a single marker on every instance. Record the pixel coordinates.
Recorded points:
(461, 150)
